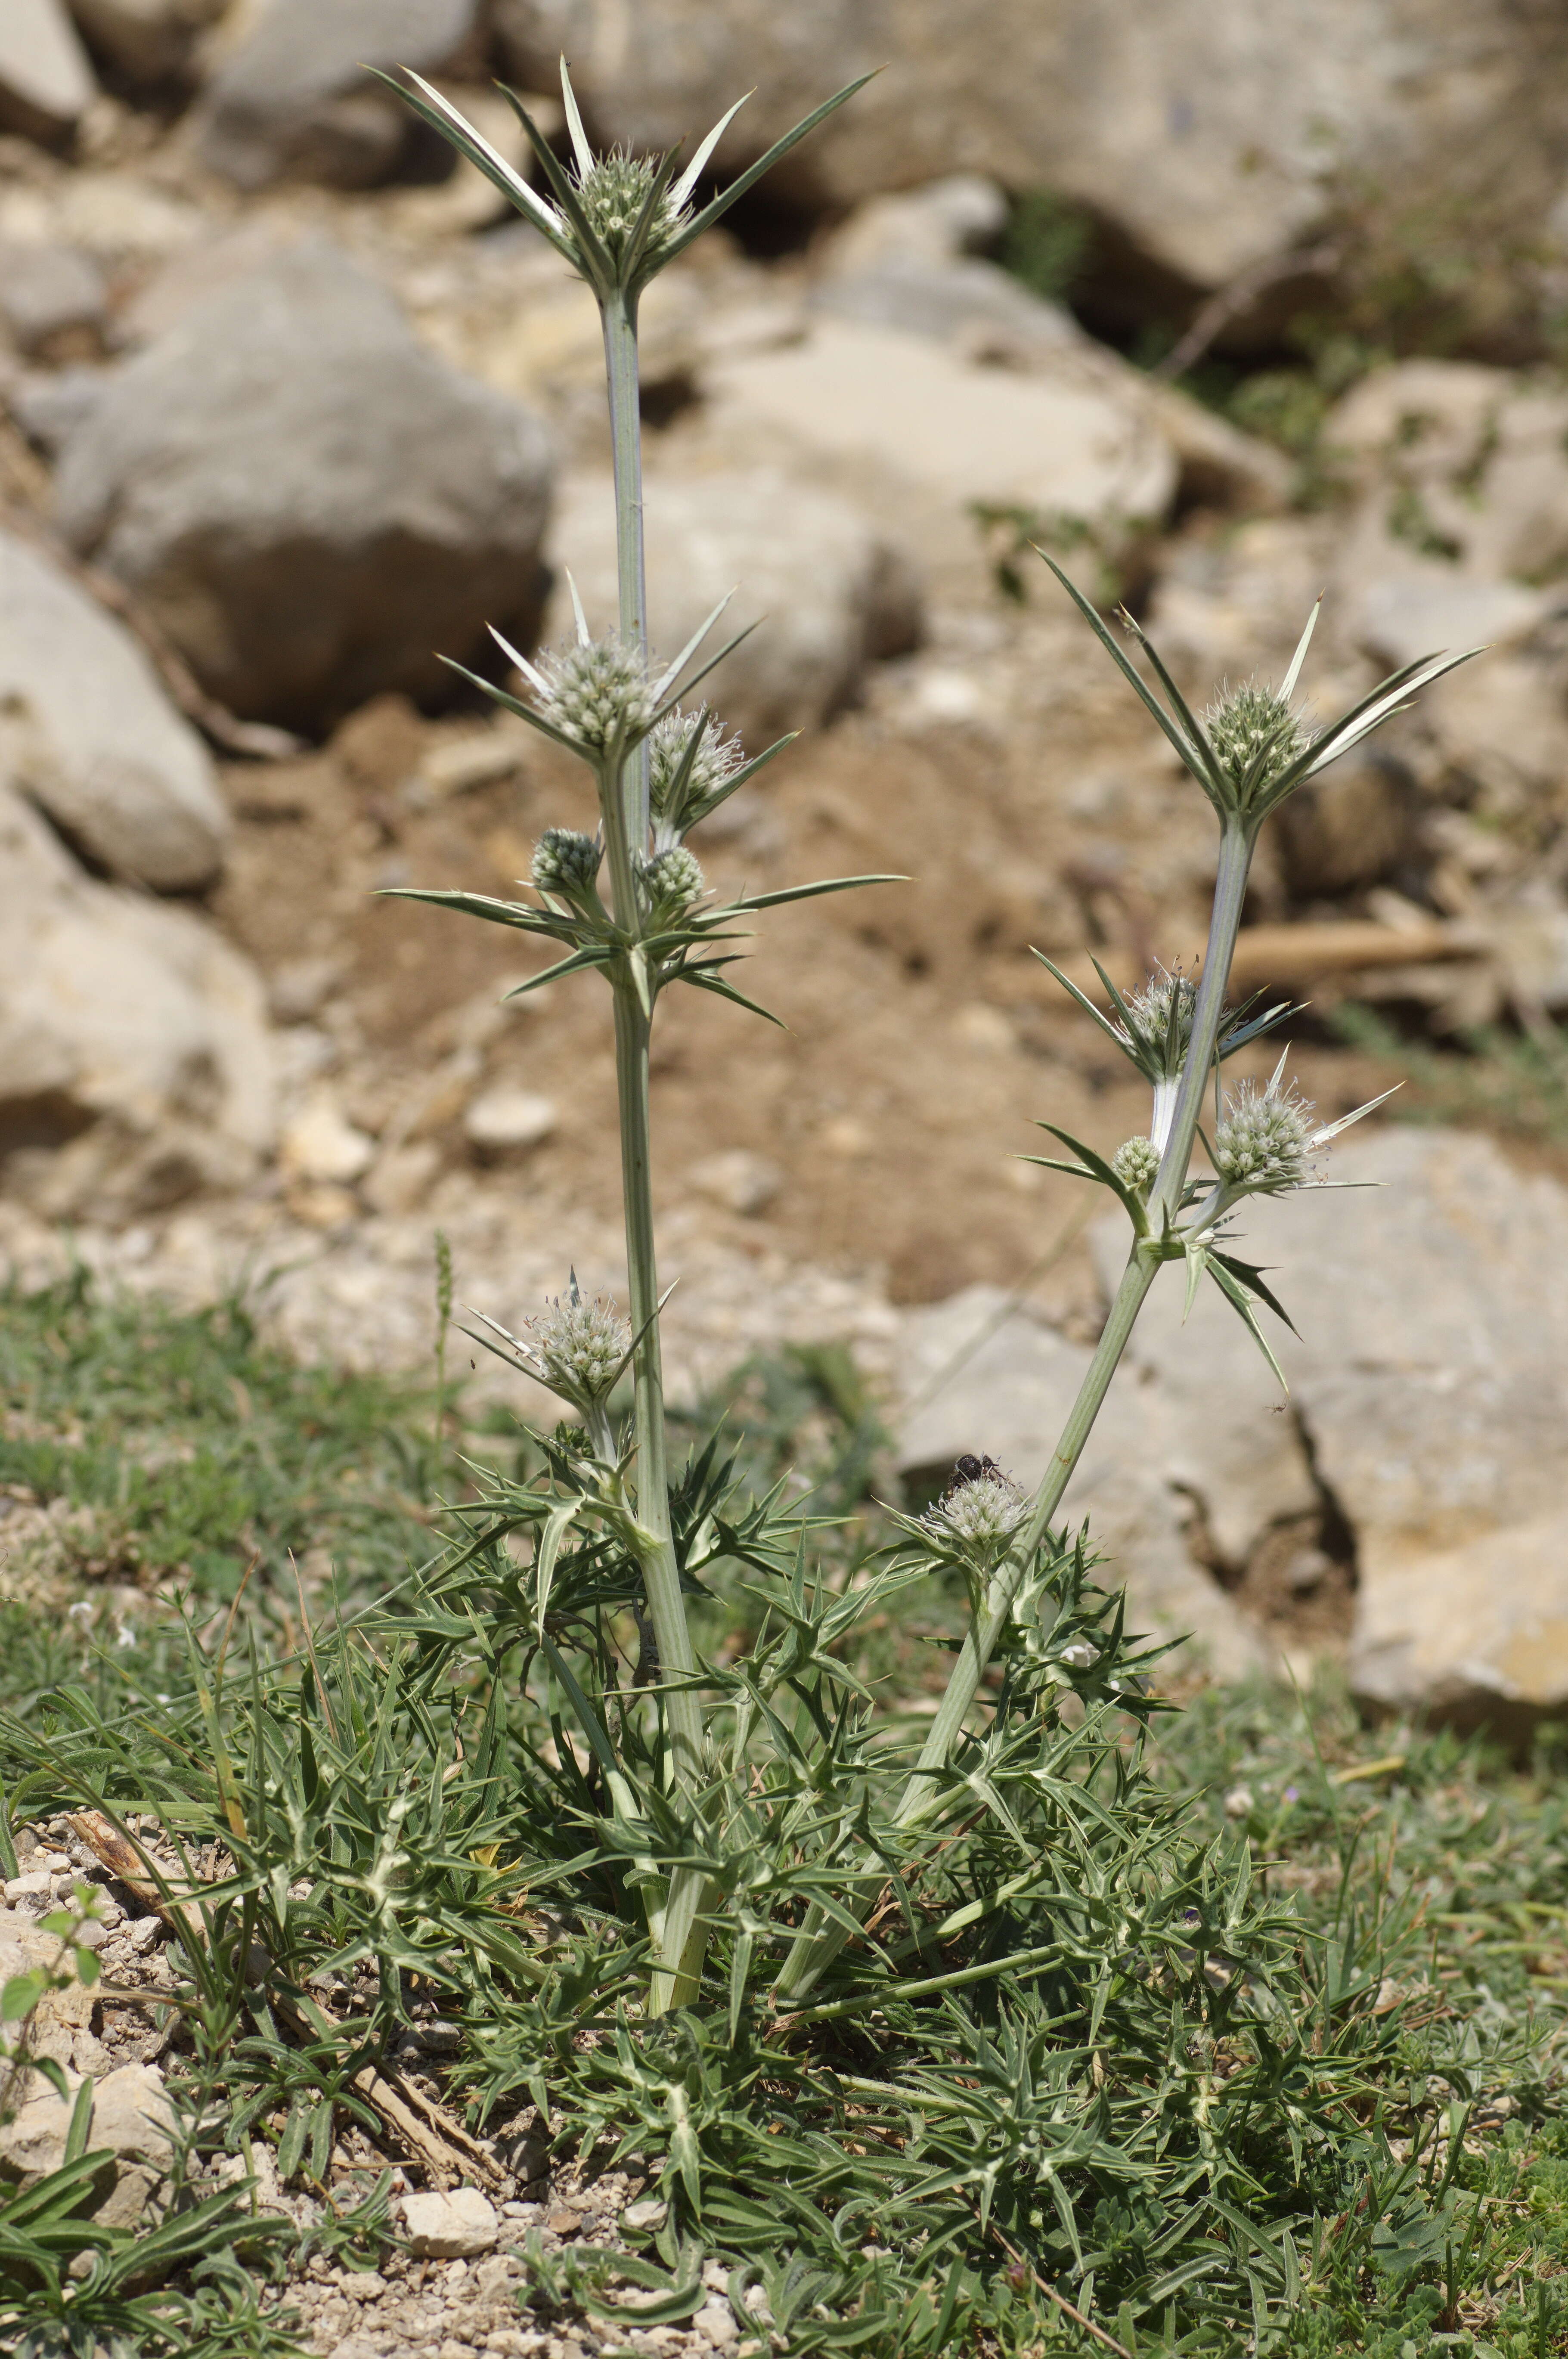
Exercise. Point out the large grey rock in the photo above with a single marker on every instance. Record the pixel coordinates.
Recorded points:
(827, 591)
(1430, 1381)
(1208, 132)
(132, 2121)
(1070, 439)
(294, 101)
(982, 1377)
(310, 501)
(61, 2031)
(147, 40)
(86, 730)
(134, 1063)
(46, 82)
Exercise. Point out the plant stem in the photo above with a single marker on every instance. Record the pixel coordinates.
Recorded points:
(621, 373)
(678, 1939)
(820, 1940)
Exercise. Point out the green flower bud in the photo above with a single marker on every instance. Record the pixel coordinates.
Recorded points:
(1136, 1162)
(566, 862)
(1252, 725)
(613, 192)
(673, 881)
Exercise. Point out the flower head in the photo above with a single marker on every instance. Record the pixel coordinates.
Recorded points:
(1263, 1143)
(691, 768)
(978, 1514)
(597, 692)
(613, 192)
(1255, 735)
(580, 1346)
(673, 881)
(1136, 1162)
(566, 862)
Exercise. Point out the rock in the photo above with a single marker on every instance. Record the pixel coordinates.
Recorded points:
(1073, 445)
(1208, 144)
(133, 1055)
(982, 1377)
(48, 405)
(46, 82)
(86, 730)
(321, 1144)
(52, 301)
(829, 593)
(450, 2227)
(1414, 615)
(744, 1182)
(61, 2030)
(504, 1121)
(306, 500)
(1430, 1381)
(1459, 465)
(293, 98)
(132, 2121)
(149, 41)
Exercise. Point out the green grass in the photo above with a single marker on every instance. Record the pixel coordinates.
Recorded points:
(1409, 1894)
(1511, 1081)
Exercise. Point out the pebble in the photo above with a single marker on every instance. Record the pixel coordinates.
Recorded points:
(144, 1932)
(35, 1885)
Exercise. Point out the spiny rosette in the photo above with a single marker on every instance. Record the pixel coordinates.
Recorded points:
(673, 882)
(1264, 1141)
(566, 862)
(678, 802)
(1135, 1163)
(598, 694)
(580, 1346)
(979, 1515)
(613, 192)
(1255, 725)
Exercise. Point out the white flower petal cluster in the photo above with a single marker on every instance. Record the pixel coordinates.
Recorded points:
(678, 802)
(580, 1346)
(979, 1515)
(1264, 1141)
(597, 692)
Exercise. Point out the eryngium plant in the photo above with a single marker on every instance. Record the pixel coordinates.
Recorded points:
(744, 1841)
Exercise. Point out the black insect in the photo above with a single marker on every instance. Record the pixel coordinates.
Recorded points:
(969, 1469)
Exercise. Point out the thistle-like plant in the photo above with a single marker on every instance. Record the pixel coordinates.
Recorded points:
(759, 1804)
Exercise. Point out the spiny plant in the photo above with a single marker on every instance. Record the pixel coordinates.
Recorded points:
(914, 2021)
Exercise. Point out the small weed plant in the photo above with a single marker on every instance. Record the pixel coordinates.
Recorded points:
(973, 2025)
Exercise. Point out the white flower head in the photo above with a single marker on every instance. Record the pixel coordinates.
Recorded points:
(690, 765)
(597, 692)
(1263, 1145)
(979, 1513)
(1135, 1163)
(580, 1346)
(1257, 734)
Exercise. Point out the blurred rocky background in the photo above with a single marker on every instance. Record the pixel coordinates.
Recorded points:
(1227, 305)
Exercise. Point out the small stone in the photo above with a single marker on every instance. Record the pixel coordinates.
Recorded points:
(444, 2227)
(52, 299)
(715, 2323)
(46, 82)
(35, 1885)
(1238, 1802)
(145, 1931)
(643, 2218)
(564, 2222)
(452, 2349)
(504, 1121)
(93, 1935)
(321, 1145)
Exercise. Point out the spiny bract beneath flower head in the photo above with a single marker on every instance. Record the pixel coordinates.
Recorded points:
(1136, 1162)
(980, 1514)
(600, 694)
(674, 880)
(1252, 720)
(566, 861)
(580, 1346)
(713, 765)
(613, 192)
(1264, 1138)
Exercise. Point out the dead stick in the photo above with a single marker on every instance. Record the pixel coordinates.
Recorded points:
(1059, 2300)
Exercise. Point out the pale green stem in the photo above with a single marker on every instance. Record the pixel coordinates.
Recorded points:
(619, 313)
(624, 796)
(819, 1939)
